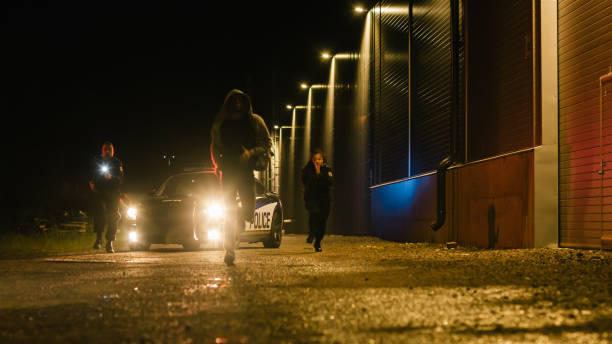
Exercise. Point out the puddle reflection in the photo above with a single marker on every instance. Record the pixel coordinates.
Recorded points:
(218, 283)
(239, 340)
(212, 284)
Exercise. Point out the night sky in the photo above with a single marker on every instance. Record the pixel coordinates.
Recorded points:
(149, 76)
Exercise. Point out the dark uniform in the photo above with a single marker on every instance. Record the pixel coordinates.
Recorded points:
(106, 196)
(317, 199)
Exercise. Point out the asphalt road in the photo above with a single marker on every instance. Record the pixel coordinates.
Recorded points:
(358, 290)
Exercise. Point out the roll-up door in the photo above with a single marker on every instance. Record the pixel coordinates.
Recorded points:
(500, 115)
(432, 84)
(585, 138)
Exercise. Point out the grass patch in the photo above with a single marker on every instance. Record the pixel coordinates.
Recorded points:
(53, 243)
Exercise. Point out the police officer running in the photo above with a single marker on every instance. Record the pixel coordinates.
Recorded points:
(241, 143)
(105, 184)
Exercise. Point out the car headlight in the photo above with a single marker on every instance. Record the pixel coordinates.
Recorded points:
(214, 235)
(132, 213)
(215, 210)
(133, 236)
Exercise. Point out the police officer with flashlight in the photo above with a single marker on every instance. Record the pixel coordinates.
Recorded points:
(105, 183)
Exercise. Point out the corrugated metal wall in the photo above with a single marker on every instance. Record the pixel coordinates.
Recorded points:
(411, 141)
(392, 86)
(585, 53)
(343, 219)
(432, 81)
(500, 77)
(460, 149)
(606, 228)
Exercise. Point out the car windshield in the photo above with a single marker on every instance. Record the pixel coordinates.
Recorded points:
(188, 184)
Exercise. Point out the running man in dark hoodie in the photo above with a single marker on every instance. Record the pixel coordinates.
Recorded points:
(241, 144)
(317, 180)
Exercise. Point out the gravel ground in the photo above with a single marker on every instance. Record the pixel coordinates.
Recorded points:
(358, 290)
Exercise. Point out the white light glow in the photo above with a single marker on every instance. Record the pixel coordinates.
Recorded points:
(132, 213)
(104, 169)
(303, 86)
(133, 236)
(215, 210)
(214, 235)
(343, 56)
(394, 10)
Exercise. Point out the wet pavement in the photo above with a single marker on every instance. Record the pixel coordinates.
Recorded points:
(358, 290)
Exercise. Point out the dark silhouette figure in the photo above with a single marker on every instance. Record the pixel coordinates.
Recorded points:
(106, 178)
(241, 143)
(317, 179)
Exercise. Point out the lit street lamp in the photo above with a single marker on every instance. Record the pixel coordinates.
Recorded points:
(170, 158)
(308, 120)
(289, 175)
(388, 10)
(328, 122)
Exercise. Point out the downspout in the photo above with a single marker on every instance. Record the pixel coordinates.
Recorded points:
(441, 196)
(449, 160)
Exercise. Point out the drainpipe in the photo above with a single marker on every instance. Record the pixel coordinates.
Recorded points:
(449, 160)
(441, 197)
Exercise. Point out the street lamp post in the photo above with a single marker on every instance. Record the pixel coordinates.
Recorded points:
(308, 120)
(328, 122)
(293, 127)
(290, 167)
(169, 158)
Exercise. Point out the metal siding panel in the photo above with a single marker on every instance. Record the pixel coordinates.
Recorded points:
(586, 65)
(377, 125)
(432, 84)
(568, 6)
(606, 190)
(569, 179)
(500, 85)
(578, 112)
(391, 94)
(420, 139)
(585, 52)
(592, 14)
(587, 122)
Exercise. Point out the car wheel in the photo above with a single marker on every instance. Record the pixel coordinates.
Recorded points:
(140, 246)
(191, 245)
(276, 232)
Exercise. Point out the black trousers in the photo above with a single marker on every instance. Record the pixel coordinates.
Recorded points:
(106, 214)
(237, 183)
(317, 222)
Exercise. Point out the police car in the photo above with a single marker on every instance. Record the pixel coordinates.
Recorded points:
(188, 209)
